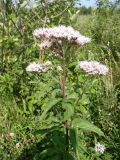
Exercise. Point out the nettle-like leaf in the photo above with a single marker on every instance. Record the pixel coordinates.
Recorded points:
(84, 100)
(86, 125)
(69, 111)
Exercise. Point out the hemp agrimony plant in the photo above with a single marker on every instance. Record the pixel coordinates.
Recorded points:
(62, 42)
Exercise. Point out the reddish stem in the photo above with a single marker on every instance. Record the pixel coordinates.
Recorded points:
(63, 92)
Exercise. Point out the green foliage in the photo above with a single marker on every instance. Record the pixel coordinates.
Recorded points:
(32, 106)
(85, 125)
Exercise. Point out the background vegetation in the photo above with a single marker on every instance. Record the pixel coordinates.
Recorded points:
(24, 96)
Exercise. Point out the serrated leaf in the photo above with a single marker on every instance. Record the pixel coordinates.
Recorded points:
(86, 125)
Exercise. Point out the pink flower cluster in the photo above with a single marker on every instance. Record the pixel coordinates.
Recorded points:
(99, 148)
(33, 67)
(51, 35)
(93, 67)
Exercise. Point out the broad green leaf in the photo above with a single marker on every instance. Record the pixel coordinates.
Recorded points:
(72, 65)
(31, 103)
(49, 106)
(84, 100)
(82, 109)
(69, 110)
(86, 125)
(72, 96)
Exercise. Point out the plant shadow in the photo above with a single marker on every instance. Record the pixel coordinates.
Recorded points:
(51, 147)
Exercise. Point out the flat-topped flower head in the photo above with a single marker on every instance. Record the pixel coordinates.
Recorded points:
(33, 67)
(99, 148)
(93, 67)
(61, 33)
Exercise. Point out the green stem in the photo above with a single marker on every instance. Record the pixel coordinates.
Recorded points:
(64, 96)
(77, 152)
(67, 136)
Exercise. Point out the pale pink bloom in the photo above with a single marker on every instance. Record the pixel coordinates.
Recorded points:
(48, 63)
(59, 68)
(99, 148)
(17, 145)
(118, 107)
(33, 67)
(93, 67)
(82, 40)
(11, 135)
(61, 33)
